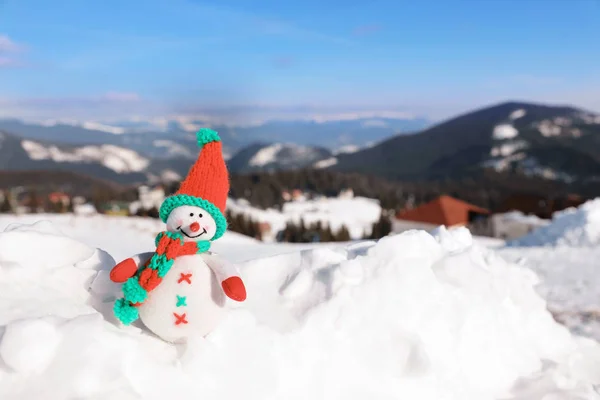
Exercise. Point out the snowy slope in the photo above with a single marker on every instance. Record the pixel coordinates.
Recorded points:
(118, 159)
(409, 317)
(564, 254)
(358, 214)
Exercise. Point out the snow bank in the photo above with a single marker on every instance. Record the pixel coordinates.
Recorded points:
(578, 227)
(408, 317)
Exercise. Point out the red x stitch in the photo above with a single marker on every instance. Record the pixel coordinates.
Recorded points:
(185, 278)
(180, 319)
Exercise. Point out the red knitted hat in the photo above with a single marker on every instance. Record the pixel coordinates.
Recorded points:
(207, 183)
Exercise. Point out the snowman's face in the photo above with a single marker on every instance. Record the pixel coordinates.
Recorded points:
(194, 223)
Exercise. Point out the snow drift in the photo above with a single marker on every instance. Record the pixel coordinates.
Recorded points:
(579, 227)
(414, 316)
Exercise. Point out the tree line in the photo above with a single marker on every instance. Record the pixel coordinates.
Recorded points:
(300, 232)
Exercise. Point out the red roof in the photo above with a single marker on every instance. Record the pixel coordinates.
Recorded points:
(444, 210)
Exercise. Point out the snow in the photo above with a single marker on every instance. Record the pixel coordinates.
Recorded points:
(506, 149)
(570, 283)
(517, 114)
(285, 154)
(413, 316)
(589, 118)
(579, 227)
(505, 131)
(358, 214)
(174, 149)
(526, 219)
(557, 126)
(90, 125)
(119, 159)
(509, 154)
(548, 129)
(266, 155)
(95, 126)
(502, 164)
(328, 162)
(347, 149)
(169, 175)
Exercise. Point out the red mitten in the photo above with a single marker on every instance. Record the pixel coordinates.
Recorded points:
(234, 288)
(123, 271)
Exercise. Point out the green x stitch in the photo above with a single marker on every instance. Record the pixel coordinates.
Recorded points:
(181, 301)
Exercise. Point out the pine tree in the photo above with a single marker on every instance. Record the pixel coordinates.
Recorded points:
(34, 201)
(302, 232)
(327, 235)
(153, 212)
(343, 235)
(5, 207)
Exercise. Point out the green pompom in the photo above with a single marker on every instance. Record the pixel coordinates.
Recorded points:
(205, 135)
(125, 312)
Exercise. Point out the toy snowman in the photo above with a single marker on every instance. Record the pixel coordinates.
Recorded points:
(179, 290)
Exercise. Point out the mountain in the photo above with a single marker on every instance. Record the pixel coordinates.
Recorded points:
(103, 161)
(163, 145)
(276, 156)
(552, 142)
(170, 139)
(49, 181)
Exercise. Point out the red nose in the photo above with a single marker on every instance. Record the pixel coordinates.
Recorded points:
(195, 227)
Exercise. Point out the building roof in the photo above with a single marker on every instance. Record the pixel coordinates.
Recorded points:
(444, 210)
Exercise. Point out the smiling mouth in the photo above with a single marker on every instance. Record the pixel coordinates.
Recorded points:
(192, 237)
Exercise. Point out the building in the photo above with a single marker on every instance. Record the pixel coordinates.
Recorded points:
(514, 224)
(447, 211)
(59, 198)
(115, 208)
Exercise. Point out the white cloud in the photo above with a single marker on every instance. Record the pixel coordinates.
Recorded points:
(8, 46)
(8, 51)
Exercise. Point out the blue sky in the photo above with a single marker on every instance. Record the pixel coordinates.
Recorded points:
(115, 59)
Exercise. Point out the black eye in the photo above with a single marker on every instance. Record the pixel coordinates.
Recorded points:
(191, 214)
(200, 215)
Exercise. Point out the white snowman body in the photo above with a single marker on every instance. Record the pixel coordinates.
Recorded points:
(189, 301)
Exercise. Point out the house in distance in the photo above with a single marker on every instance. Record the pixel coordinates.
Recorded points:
(447, 211)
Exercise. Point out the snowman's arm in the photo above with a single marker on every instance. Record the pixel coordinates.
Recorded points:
(228, 276)
(128, 267)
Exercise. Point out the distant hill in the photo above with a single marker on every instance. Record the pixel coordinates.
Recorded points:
(558, 143)
(277, 156)
(106, 162)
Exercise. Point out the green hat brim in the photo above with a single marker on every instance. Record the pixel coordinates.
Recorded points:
(179, 200)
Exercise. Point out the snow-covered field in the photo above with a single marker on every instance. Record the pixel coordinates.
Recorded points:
(414, 316)
(358, 214)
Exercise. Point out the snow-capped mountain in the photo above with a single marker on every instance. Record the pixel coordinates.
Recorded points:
(551, 142)
(106, 161)
(276, 156)
(164, 138)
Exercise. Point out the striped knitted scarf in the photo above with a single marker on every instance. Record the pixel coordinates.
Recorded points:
(169, 246)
